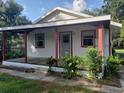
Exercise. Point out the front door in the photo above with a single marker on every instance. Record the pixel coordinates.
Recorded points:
(65, 43)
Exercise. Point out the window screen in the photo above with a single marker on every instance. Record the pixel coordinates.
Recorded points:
(40, 40)
(87, 39)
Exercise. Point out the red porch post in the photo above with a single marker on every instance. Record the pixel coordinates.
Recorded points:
(100, 40)
(25, 47)
(3, 46)
(57, 47)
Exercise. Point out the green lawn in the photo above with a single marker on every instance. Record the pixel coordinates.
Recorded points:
(10, 84)
(119, 50)
(120, 53)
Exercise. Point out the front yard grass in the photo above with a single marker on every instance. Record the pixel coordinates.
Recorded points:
(119, 50)
(120, 53)
(11, 84)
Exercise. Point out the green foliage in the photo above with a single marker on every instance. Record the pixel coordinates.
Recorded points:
(93, 12)
(114, 7)
(10, 84)
(114, 59)
(94, 63)
(10, 14)
(122, 30)
(14, 54)
(72, 66)
(113, 63)
(51, 62)
(12, 11)
(22, 20)
(53, 91)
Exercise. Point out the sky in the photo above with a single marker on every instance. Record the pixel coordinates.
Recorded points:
(33, 9)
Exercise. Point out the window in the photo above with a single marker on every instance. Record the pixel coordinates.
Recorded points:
(87, 39)
(40, 40)
(66, 39)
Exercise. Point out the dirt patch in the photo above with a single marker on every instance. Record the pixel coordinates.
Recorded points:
(54, 74)
(73, 81)
(115, 82)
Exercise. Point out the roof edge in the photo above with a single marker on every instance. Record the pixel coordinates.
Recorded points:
(62, 9)
(119, 25)
(71, 22)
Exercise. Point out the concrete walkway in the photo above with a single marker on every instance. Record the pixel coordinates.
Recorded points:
(110, 89)
(42, 75)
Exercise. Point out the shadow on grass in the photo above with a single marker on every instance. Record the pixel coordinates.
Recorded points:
(11, 84)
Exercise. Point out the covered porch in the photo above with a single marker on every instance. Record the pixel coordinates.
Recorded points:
(99, 24)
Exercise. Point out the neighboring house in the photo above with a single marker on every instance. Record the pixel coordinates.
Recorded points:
(64, 31)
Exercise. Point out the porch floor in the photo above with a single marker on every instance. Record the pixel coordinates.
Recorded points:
(36, 61)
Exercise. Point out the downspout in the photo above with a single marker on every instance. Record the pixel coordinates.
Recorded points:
(110, 52)
(104, 65)
(25, 45)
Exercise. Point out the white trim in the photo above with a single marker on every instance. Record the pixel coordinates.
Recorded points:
(60, 23)
(116, 24)
(8, 63)
(62, 9)
(73, 12)
(48, 13)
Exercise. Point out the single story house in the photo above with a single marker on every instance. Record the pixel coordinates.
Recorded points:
(62, 31)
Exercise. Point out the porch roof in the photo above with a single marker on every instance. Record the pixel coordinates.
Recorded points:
(105, 20)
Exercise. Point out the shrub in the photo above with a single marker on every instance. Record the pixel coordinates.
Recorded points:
(51, 62)
(94, 63)
(9, 55)
(53, 91)
(112, 65)
(21, 53)
(113, 51)
(122, 62)
(72, 66)
(14, 54)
